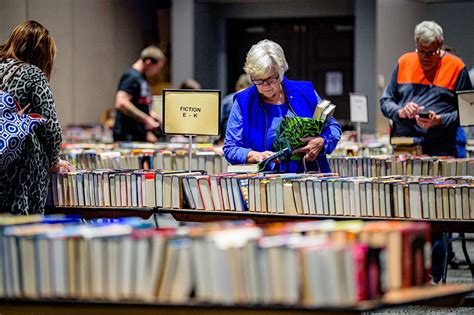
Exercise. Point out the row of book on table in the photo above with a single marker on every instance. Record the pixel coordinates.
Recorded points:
(418, 197)
(384, 165)
(317, 263)
(210, 158)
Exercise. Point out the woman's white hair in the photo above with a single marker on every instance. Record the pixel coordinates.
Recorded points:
(262, 57)
(428, 32)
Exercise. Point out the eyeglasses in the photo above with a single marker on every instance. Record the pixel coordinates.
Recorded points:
(428, 54)
(271, 80)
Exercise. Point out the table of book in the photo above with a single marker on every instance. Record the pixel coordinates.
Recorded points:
(437, 225)
(102, 212)
(191, 215)
(443, 295)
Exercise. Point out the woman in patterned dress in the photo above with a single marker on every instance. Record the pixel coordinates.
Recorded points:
(24, 184)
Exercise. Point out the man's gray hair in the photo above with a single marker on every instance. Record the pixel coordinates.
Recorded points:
(152, 52)
(262, 57)
(428, 32)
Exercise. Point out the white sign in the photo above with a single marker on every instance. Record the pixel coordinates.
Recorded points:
(466, 108)
(334, 83)
(359, 108)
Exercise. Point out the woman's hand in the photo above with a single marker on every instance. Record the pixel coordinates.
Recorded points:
(311, 150)
(62, 166)
(255, 157)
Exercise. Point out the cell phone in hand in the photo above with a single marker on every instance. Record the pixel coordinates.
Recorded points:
(424, 114)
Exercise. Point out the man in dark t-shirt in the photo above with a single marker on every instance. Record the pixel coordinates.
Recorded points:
(135, 120)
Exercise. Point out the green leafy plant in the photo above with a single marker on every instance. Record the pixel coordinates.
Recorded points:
(292, 128)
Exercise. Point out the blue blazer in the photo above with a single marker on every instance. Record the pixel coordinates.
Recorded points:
(247, 126)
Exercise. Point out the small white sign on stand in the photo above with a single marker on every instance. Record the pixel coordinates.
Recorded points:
(191, 113)
(359, 112)
(466, 108)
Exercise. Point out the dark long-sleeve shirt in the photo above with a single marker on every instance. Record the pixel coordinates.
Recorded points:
(436, 91)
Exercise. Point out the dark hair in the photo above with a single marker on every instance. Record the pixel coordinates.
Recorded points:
(30, 42)
(190, 84)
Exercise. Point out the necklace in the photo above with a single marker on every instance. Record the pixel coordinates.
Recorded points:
(278, 101)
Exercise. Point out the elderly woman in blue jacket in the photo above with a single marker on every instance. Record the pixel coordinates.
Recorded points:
(259, 109)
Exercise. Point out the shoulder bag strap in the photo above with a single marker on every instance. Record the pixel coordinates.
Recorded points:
(2, 78)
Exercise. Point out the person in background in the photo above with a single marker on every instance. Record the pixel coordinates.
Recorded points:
(258, 110)
(24, 184)
(461, 139)
(190, 84)
(228, 100)
(135, 120)
(427, 79)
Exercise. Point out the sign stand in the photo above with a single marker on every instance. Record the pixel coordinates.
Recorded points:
(190, 152)
(191, 113)
(359, 140)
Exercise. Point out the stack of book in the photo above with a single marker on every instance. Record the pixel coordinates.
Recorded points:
(210, 159)
(428, 197)
(384, 165)
(312, 264)
(118, 188)
(330, 194)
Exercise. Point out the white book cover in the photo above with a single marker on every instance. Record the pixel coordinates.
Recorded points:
(471, 198)
(439, 202)
(134, 190)
(304, 197)
(382, 202)
(318, 197)
(140, 263)
(338, 198)
(113, 190)
(43, 257)
(431, 201)
(149, 190)
(124, 281)
(140, 191)
(58, 267)
(205, 189)
(27, 267)
(346, 198)
(97, 268)
(217, 193)
(401, 201)
(331, 197)
(425, 200)
(225, 195)
(311, 196)
(465, 202)
(415, 200)
(373, 199)
(325, 194)
(159, 189)
(458, 202)
(107, 190)
(155, 264)
(363, 198)
(72, 188)
(80, 189)
(111, 267)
